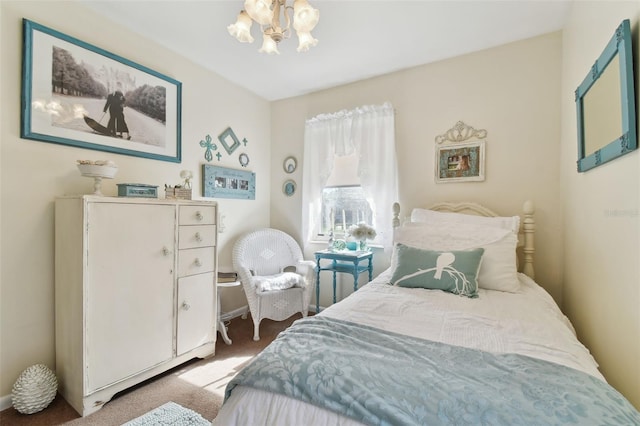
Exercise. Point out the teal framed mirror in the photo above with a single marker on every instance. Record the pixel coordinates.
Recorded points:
(605, 104)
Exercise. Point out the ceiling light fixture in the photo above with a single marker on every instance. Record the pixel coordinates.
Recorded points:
(267, 14)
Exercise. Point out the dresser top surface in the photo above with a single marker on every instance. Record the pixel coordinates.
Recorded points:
(136, 200)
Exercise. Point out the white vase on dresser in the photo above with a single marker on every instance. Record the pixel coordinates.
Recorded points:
(135, 292)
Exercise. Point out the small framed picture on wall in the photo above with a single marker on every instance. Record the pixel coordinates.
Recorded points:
(462, 162)
(460, 155)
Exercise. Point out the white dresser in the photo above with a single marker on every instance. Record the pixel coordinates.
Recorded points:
(135, 292)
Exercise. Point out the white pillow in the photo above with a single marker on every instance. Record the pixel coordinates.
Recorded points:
(511, 223)
(278, 282)
(498, 270)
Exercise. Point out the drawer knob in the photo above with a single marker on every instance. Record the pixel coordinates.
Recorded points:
(166, 251)
(185, 306)
(198, 237)
(197, 262)
(199, 216)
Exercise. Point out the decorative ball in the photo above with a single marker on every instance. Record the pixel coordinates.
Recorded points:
(34, 390)
(340, 245)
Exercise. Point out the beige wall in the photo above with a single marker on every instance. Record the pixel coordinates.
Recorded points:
(33, 173)
(601, 213)
(512, 91)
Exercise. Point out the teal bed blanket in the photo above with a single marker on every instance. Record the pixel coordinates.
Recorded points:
(384, 378)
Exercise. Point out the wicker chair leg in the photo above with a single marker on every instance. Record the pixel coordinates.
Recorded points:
(256, 330)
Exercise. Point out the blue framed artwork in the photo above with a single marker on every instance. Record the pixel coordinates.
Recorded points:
(77, 94)
(221, 182)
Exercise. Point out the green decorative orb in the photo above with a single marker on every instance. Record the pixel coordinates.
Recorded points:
(339, 245)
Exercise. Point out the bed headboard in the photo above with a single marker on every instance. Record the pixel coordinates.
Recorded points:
(525, 236)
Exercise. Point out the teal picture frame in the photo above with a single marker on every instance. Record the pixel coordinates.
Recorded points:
(229, 140)
(222, 182)
(77, 94)
(594, 148)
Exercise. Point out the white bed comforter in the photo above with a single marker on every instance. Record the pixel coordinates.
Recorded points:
(526, 323)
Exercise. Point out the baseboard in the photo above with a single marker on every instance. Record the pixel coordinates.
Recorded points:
(240, 312)
(244, 310)
(5, 402)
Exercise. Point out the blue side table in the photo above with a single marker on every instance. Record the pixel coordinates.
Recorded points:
(342, 261)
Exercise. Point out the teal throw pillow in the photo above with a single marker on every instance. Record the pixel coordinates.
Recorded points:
(452, 271)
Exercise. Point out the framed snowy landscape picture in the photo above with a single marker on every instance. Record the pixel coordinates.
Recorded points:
(80, 95)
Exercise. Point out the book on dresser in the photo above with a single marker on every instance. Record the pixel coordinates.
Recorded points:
(227, 277)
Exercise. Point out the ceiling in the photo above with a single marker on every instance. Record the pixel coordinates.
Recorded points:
(358, 39)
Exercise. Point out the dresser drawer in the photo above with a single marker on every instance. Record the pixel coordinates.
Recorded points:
(196, 236)
(196, 261)
(197, 215)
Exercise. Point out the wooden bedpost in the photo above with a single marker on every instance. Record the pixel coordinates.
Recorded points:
(529, 227)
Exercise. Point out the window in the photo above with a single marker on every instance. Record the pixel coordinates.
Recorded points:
(364, 139)
(343, 200)
(343, 206)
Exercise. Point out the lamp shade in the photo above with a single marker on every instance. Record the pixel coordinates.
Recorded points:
(259, 10)
(269, 45)
(305, 17)
(242, 28)
(305, 41)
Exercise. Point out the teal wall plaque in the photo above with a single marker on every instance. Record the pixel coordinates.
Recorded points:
(229, 140)
(221, 182)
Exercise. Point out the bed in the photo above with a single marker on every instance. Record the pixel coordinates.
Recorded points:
(451, 333)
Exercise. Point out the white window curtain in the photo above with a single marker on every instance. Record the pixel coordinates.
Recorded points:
(370, 131)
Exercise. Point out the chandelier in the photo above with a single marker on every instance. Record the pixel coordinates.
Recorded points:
(267, 13)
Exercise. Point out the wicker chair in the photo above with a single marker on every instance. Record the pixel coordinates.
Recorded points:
(271, 253)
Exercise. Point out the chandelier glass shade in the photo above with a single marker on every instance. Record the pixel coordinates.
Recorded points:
(275, 18)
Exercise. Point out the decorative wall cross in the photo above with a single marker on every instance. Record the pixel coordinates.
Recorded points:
(209, 145)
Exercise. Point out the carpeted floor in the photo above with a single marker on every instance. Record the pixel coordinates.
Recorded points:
(199, 384)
